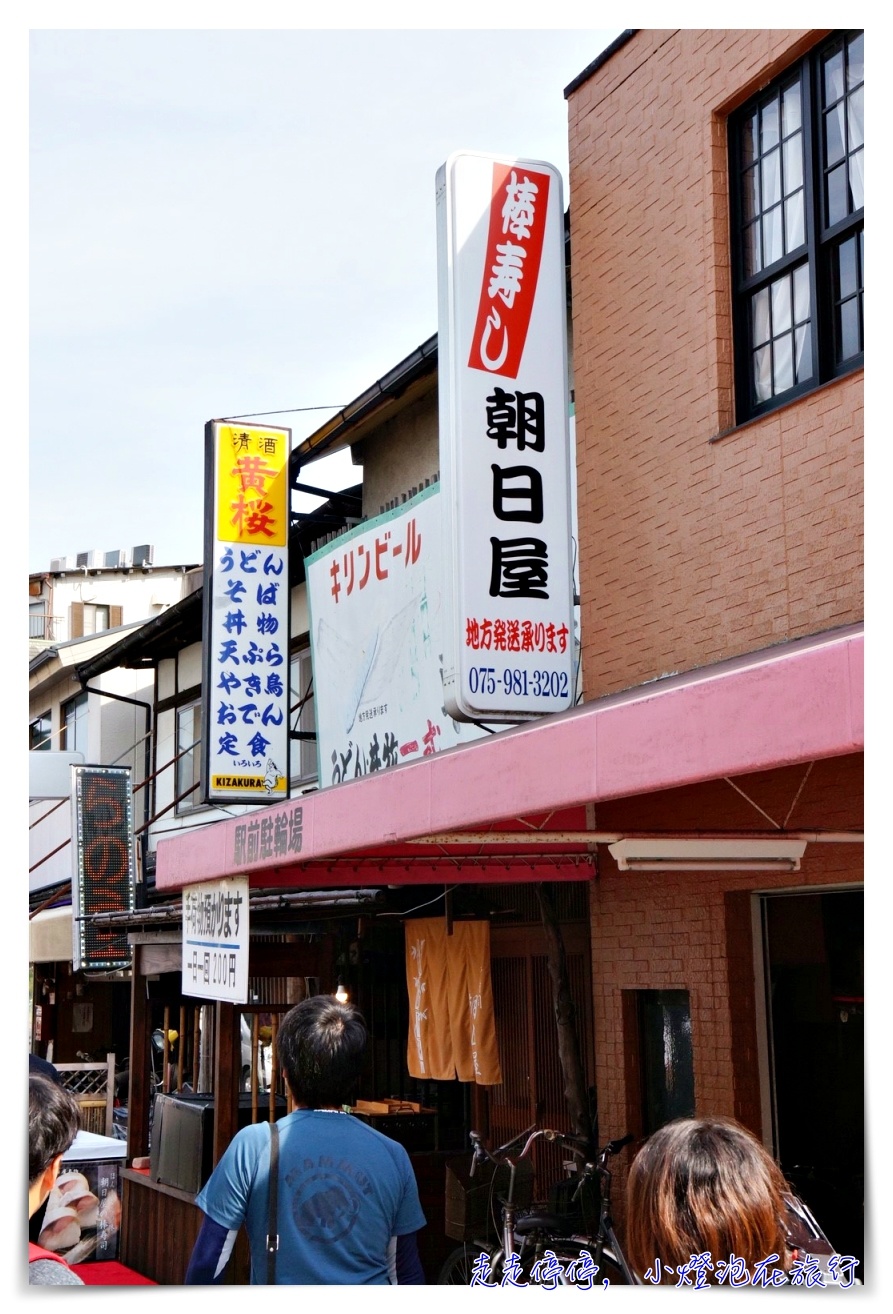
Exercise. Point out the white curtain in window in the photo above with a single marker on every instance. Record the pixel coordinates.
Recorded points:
(857, 161)
(852, 105)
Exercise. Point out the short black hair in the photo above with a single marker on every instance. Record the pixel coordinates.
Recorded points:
(54, 1118)
(320, 1046)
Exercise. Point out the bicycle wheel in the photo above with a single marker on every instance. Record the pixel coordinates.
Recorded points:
(573, 1266)
(459, 1266)
(612, 1272)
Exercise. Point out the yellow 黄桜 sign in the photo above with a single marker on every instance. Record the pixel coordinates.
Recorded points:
(252, 485)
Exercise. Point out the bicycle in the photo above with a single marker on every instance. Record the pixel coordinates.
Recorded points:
(535, 1247)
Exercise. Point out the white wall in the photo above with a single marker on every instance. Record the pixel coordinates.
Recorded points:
(140, 594)
(113, 729)
(184, 674)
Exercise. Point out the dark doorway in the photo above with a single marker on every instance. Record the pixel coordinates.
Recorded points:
(814, 967)
(667, 1063)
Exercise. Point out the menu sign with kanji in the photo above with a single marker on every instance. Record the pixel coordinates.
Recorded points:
(215, 940)
(504, 440)
(245, 722)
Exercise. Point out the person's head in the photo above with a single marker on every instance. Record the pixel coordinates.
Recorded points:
(704, 1184)
(53, 1122)
(320, 1046)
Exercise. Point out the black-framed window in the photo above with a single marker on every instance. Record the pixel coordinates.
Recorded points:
(73, 736)
(797, 190)
(40, 733)
(304, 763)
(189, 760)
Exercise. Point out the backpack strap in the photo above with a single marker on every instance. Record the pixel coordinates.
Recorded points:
(272, 1244)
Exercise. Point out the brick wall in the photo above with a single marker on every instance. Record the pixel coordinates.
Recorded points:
(693, 931)
(698, 541)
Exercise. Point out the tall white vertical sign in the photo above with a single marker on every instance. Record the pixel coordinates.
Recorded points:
(245, 692)
(504, 440)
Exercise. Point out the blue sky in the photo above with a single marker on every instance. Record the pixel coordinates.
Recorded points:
(231, 221)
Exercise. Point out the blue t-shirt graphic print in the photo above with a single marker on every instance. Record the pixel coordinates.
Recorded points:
(344, 1191)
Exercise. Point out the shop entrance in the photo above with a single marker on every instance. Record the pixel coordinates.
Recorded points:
(813, 946)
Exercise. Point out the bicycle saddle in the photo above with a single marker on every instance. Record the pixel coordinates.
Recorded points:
(539, 1223)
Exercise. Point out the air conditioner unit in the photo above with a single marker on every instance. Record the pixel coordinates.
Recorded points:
(61, 563)
(143, 555)
(87, 559)
(115, 560)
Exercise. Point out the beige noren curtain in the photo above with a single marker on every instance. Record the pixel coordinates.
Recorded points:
(452, 1027)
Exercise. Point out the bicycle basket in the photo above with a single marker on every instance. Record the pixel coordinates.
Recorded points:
(472, 1201)
(580, 1215)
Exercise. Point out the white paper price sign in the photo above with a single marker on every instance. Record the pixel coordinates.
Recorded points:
(215, 940)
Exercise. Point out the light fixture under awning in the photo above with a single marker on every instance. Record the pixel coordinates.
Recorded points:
(708, 854)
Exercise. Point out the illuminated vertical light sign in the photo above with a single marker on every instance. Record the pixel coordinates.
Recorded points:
(104, 874)
(245, 692)
(504, 439)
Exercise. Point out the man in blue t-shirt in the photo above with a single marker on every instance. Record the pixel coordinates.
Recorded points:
(348, 1204)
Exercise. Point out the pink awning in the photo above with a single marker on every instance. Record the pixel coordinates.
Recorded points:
(797, 702)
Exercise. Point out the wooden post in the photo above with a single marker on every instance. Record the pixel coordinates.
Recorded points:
(181, 1047)
(166, 1064)
(196, 1044)
(227, 1069)
(138, 1093)
(575, 1091)
(208, 1049)
(255, 1063)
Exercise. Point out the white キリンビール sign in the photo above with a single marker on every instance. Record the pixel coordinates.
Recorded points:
(215, 940)
(504, 441)
(376, 637)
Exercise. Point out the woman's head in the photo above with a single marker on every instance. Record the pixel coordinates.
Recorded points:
(53, 1121)
(704, 1185)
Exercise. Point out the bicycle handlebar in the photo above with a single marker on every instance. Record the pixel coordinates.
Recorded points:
(614, 1147)
(502, 1155)
(532, 1134)
(600, 1166)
